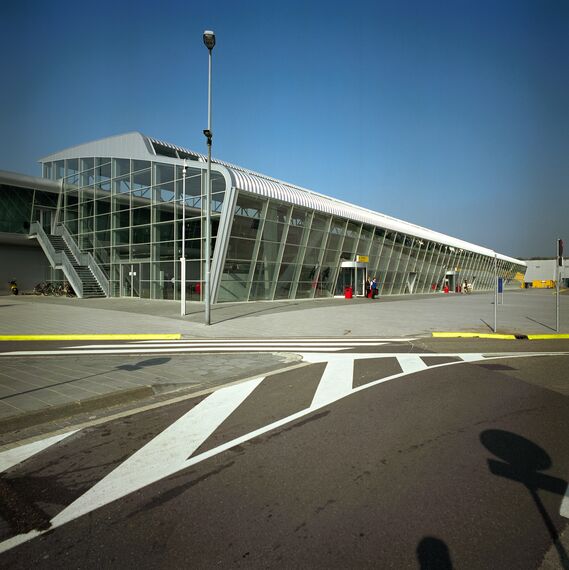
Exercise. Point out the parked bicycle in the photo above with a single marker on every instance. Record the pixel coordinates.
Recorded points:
(53, 288)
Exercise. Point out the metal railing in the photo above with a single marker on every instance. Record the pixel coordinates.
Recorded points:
(57, 259)
(84, 258)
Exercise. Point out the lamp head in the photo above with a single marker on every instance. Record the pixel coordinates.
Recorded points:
(209, 39)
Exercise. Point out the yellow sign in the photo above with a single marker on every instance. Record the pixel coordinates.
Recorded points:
(362, 258)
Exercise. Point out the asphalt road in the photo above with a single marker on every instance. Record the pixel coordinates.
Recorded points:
(374, 458)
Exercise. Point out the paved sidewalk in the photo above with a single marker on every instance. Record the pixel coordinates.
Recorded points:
(40, 389)
(523, 312)
(35, 390)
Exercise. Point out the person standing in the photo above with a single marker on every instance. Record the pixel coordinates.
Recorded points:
(374, 288)
(368, 288)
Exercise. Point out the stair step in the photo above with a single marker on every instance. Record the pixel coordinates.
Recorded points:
(91, 287)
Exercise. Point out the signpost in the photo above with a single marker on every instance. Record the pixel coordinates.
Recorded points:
(495, 292)
(558, 267)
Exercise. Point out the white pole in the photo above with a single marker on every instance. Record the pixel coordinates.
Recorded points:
(183, 258)
(495, 292)
(207, 291)
(558, 275)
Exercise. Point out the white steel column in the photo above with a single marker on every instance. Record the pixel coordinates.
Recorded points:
(183, 258)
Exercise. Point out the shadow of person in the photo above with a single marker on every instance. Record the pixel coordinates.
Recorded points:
(433, 554)
(143, 364)
(523, 461)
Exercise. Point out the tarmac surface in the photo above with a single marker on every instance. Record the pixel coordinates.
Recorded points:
(55, 391)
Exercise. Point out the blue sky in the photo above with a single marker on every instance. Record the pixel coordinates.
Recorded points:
(451, 114)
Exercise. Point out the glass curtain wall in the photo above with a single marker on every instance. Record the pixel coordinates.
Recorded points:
(280, 251)
(128, 214)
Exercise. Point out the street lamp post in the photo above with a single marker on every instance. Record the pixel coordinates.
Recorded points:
(183, 258)
(209, 41)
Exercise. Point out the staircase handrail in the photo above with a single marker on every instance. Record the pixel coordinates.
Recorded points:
(57, 259)
(84, 258)
(38, 232)
(71, 274)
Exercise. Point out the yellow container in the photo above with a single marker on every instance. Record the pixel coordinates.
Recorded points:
(543, 284)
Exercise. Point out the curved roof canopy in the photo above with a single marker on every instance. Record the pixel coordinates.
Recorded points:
(135, 145)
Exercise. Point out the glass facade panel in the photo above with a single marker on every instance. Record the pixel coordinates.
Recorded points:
(15, 210)
(128, 213)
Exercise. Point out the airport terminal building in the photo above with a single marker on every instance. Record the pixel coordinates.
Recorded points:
(107, 216)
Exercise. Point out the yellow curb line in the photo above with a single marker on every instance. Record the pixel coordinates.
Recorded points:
(473, 335)
(174, 336)
(547, 336)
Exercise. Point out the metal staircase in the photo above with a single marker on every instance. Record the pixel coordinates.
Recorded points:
(91, 287)
(80, 269)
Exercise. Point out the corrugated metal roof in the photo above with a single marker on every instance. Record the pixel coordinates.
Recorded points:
(256, 183)
(260, 184)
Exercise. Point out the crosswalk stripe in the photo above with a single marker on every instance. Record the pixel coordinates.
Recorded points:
(336, 382)
(165, 455)
(411, 363)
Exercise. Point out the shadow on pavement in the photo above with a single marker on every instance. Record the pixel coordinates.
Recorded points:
(256, 312)
(522, 462)
(433, 554)
(540, 323)
(126, 367)
(143, 364)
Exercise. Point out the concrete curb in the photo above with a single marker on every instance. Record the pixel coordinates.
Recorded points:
(30, 419)
(500, 336)
(547, 336)
(476, 335)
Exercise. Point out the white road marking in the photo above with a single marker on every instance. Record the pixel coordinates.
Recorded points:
(142, 350)
(165, 455)
(564, 510)
(222, 345)
(470, 356)
(12, 457)
(81, 506)
(411, 363)
(337, 381)
(279, 340)
(466, 357)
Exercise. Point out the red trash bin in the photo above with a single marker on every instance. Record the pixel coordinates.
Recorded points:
(348, 292)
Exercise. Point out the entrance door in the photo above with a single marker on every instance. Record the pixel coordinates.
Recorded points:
(451, 279)
(360, 288)
(352, 274)
(130, 280)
